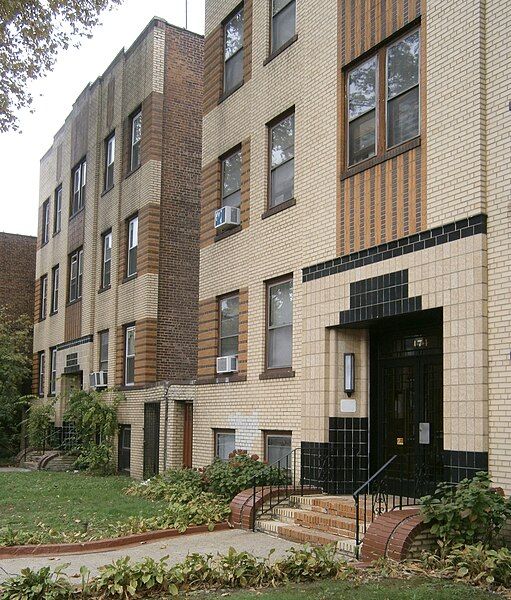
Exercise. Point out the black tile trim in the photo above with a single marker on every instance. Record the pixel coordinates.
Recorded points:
(87, 339)
(412, 243)
(459, 464)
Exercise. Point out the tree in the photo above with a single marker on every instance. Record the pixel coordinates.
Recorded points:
(31, 34)
(15, 374)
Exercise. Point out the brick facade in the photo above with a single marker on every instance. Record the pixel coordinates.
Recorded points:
(17, 276)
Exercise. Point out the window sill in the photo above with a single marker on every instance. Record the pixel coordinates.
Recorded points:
(226, 95)
(41, 319)
(105, 192)
(78, 212)
(43, 244)
(55, 233)
(132, 386)
(279, 208)
(71, 302)
(130, 173)
(236, 378)
(104, 289)
(284, 47)
(227, 233)
(377, 160)
(277, 374)
(53, 313)
(130, 278)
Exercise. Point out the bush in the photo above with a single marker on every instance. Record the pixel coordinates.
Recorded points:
(175, 485)
(95, 459)
(468, 513)
(37, 585)
(229, 478)
(40, 418)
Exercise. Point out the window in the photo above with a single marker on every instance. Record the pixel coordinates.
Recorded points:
(233, 52)
(129, 366)
(75, 275)
(132, 247)
(40, 379)
(109, 161)
(44, 293)
(53, 371)
(277, 447)
(391, 106)
(225, 443)
(103, 351)
(57, 220)
(231, 180)
(79, 180)
(283, 22)
(45, 233)
(229, 309)
(403, 90)
(106, 268)
(362, 86)
(282, 163)
(280, 324)
(55, 274)
(136, 136)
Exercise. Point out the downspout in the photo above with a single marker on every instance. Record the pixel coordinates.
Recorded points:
(166, 428)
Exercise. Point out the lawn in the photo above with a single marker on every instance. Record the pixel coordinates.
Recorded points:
(72, 505)
(390, 589)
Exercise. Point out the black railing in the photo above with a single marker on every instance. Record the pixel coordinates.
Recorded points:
(57, 439)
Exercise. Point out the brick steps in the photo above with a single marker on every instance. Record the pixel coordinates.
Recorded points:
(316, 520)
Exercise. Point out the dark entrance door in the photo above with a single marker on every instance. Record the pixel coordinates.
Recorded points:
(151, 439)
(124, 450)
(406, 411)
(188, 435)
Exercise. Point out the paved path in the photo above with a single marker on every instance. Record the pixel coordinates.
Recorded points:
(177, 549)
(13, 470)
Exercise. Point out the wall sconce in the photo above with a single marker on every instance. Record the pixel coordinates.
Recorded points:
(349, 374)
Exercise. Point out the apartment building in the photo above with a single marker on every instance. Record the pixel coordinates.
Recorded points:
(117, 252)
(355, 237)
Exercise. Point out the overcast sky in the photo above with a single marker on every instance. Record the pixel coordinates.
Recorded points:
(54, 96)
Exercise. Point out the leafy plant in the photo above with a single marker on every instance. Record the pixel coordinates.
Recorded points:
(95, 458)
(175, 485)
(468, 513)
(308, 563)
(40, 418)
(37, 585)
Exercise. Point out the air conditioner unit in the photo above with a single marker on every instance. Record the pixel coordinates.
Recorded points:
(227, 217)
(227, 364)
(98, 379)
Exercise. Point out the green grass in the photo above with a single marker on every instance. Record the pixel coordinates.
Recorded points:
(390, 589)
(68, 503)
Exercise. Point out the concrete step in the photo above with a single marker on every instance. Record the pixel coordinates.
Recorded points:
(303, 535)
(29, 464)
(328, 523)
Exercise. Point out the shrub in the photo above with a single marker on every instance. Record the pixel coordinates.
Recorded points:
(95, 458)
(467, 513)
(40, 418)
(309, 564)
(229, 478)
(37, 585)
(175, 485)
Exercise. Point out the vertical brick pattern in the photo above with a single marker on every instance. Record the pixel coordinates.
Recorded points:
(247, 40)
(152, 130)
(148, 240)
(36, 299)
(35, 373)
(213, 68)
(243, 332)
(73, 326)
(210, 201)
(180, 207)
(245, 184)
(208, 338)
(145, 351)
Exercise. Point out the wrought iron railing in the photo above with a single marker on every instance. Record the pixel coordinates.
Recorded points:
(56, 439)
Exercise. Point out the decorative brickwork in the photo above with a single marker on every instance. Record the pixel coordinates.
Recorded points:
(213, 68)
(208, 338)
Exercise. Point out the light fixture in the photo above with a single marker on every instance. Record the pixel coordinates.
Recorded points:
(349, 374)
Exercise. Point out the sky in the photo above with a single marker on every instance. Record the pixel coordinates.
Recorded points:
(54, 96)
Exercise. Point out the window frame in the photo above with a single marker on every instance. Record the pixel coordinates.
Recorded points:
(55, 283)
(380, 52)
(106, 235)
(81, 169)
(41, 357)
(129, 272)
(269, 284)
(43, 304)
(290, 40)
(227, 92)
(223, 432)
(57, 210)
(78, 254)
(270, 127)
(236, 150)
(45, 225)
(52, 387)
(220, 299)
(131, 328)
(101, 359)
(137, 114)
(269, 433)
(109, 167)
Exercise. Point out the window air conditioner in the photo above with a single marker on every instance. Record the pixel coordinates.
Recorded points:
(227, 217)
(98, 379)
(227, 364)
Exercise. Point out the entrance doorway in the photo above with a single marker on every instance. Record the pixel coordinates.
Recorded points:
(188, 435)
(124, 453)
(407, 404)
(151, 439)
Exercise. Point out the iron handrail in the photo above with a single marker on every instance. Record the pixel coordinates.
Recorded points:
(375, 476)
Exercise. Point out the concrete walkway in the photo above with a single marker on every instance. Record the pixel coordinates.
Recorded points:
(258, 544)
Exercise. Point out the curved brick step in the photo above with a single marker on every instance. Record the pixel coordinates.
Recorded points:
(316, 520)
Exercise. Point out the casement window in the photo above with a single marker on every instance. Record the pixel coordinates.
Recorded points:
(132, 247)
(103, 350)
(79, 177)
(383, 108)
(129, 359)
(40, 370)
(229, 313)
(106, 266)
(282, 160)
(45, 231)
(283, 22)
(75, 275)
(136, 137)
(278, 448)
(57, 217)
(109, 161)
(279, 333)
(233, 52)
(231, 180)
(43, 297)
(55, 276)
(225, 444)
(53, 371)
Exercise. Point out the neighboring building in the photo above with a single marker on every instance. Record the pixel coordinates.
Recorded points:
(17, 273)
(365, 288)
(117, 254)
